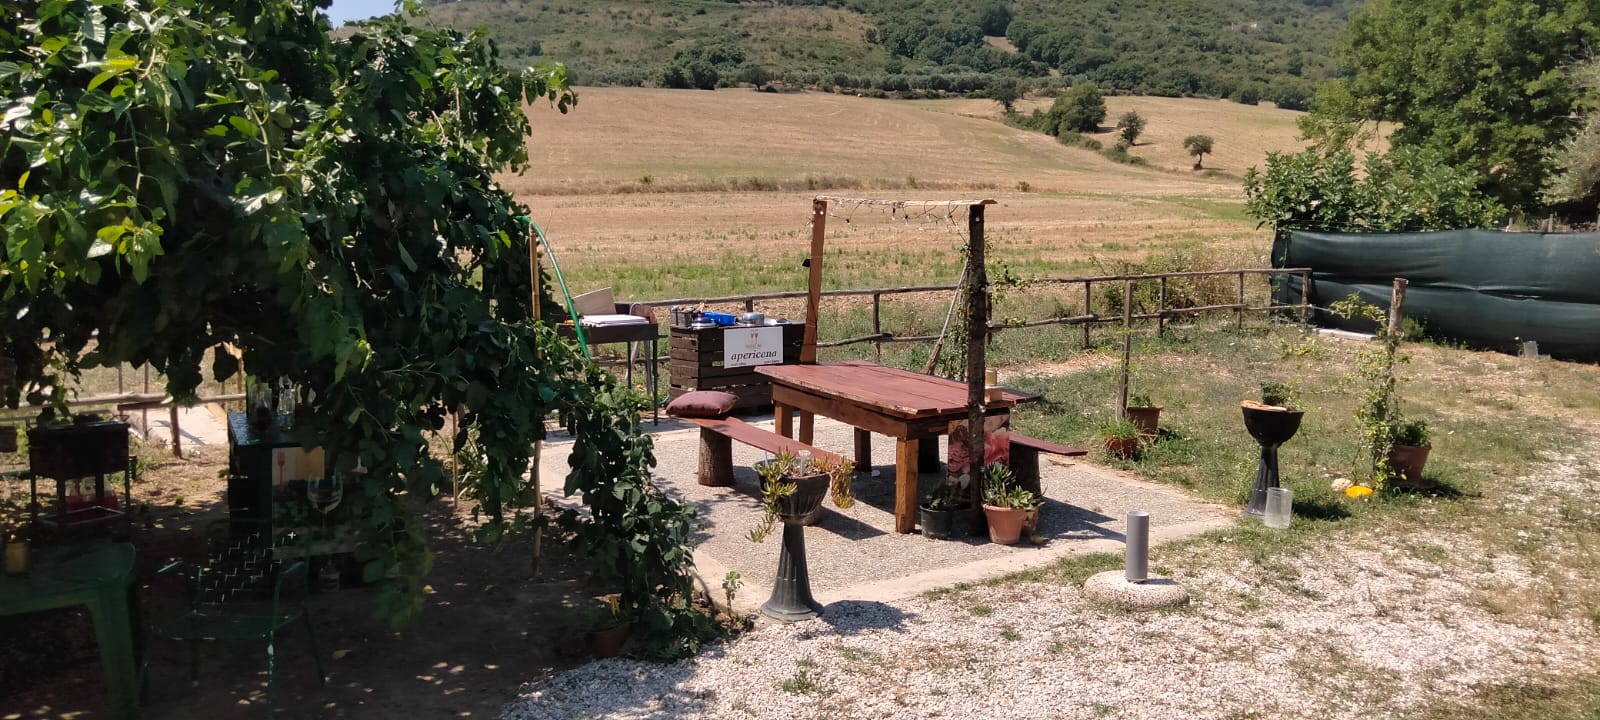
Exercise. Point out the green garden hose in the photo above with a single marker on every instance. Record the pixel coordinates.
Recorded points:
(571, 311)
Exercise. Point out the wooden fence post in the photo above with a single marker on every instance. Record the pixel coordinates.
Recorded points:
(1088, 298)
(1239, 311)
(1127, 349)
(977, 343)
(877, 327)
(1305, 295)
(1161, 310)
(1397, 300)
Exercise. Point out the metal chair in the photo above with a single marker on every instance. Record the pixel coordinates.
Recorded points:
(250, 586)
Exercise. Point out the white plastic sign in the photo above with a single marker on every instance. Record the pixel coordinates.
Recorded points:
(748, 346)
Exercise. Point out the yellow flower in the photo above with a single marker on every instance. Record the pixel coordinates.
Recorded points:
(1357, 491)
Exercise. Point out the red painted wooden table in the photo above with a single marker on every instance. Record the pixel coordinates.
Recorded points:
(907, 406)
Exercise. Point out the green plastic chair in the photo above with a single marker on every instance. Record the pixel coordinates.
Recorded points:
(250, 587)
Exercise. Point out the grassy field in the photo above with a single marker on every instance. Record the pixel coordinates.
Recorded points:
(662, 193)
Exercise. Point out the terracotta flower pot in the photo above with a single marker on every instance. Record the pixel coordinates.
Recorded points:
(8, 439)
(1125, 448)
(608, 642)
(1147, 418)
(1409, 460)
(1005, 524)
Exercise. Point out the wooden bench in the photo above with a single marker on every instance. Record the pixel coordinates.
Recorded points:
(1025, 459)
(716, 447)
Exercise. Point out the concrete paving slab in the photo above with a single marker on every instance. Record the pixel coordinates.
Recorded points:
(854, 554)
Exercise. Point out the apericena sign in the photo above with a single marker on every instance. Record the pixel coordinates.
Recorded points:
(747, 346)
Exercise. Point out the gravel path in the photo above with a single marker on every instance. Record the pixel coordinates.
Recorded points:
(1369, 629)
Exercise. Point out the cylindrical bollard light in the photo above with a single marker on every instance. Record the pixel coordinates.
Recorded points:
(1137, 560)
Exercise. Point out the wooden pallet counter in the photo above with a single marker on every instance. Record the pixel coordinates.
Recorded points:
(696, 364)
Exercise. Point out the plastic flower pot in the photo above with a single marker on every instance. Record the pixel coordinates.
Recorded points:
(1270, 426)
(8, 439)
(1409, 460)
(791, 599)
(607, 642)
(1147, 418)
(939, 524)
(1126, 448)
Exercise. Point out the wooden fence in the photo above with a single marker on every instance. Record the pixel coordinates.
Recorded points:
(1087, 319)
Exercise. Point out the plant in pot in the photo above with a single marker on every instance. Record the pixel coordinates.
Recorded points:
(1144, 413)
(1005, 504)
(608, 627)
(1121, 438)
(8, 438)
(1408, 453)
(792, 488)
(1271, 423)
(938, 512)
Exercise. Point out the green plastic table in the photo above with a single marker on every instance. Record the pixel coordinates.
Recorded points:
(99, 576)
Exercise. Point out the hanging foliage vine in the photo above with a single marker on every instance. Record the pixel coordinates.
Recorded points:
(178, 175)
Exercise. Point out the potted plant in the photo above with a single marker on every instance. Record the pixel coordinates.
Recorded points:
(1005, 504)
(1121, 438)
(8, 438)
(8, 370)
(1408, 451)
(1270, 422)
(792, 489)
(938, 512)
(608, 627)
(1145, 414)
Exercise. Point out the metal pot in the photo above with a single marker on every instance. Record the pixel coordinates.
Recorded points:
(754, 318)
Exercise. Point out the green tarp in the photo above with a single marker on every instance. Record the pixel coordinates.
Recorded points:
(1484, 288)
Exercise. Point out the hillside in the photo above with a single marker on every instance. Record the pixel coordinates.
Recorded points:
(664, 193)
(1276, 49)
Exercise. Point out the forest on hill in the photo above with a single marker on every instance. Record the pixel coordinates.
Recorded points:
(1275, 50)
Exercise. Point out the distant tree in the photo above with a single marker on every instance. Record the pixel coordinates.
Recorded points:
(1129, 126)
(1247, 94)
(994, 18)
(1006, 91)
(1479, 82)
(1080, 110)
(1198, 146)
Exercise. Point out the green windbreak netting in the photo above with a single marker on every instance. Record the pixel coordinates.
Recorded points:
(1484, 288)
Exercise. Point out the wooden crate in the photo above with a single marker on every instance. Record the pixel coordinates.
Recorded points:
(696, 364)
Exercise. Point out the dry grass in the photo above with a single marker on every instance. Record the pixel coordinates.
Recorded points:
(670, 193)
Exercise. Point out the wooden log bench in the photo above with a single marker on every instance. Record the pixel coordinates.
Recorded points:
(716, 447)
(1025, 459)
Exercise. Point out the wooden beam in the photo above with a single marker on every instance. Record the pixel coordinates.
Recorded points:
(819, 226)
(977, 343)
(901, 203)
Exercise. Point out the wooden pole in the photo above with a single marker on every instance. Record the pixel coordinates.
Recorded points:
(1239, 313)
(177, 435)
(1397, 300)
(1305, 295)
(1127, 349)
(819, 225)
(977, 342)
(1088, 298)
(877, 327)
(1161, 310)
(538, 495)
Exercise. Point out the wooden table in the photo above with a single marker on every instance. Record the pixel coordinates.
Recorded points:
(907, 406)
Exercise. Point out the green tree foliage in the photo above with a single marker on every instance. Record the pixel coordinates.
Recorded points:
(1190, 48)
(1408, 189)
(1198, 146)
(1081, 109)
(1006, 91)
(185, 174)
(1479, 82)
(1578, 161)
(1129, 126)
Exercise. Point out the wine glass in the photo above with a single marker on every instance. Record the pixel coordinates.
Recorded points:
(324, 494)
(287, 396)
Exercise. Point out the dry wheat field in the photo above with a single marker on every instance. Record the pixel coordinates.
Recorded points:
(671, 193)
